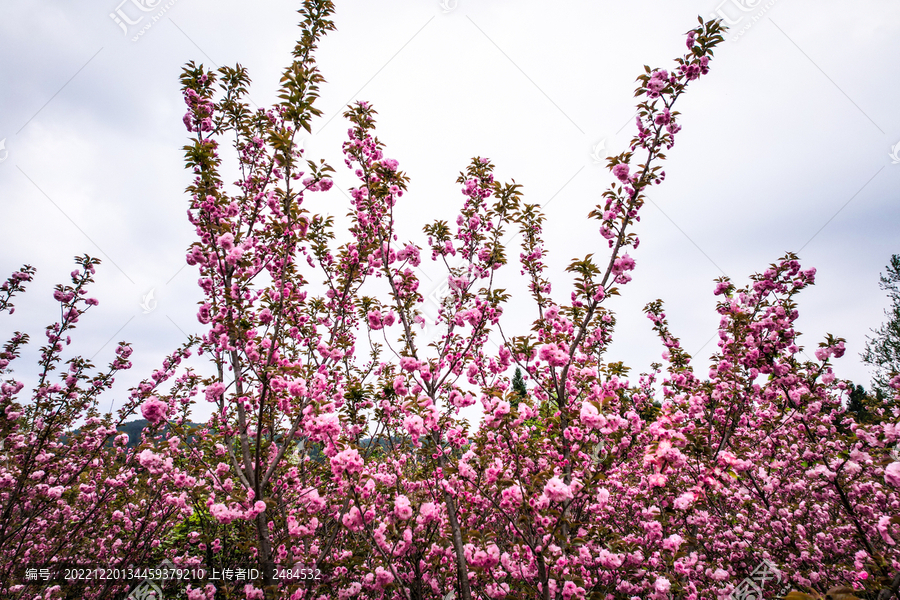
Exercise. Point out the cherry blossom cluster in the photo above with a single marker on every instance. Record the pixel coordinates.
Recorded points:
(340, 439)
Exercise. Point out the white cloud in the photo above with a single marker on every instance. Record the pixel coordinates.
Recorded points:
(793, 120)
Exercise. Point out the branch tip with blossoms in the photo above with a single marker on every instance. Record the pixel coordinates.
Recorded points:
(339, 442)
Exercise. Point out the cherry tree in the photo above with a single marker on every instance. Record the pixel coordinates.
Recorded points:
(338, 461)
(70, 493)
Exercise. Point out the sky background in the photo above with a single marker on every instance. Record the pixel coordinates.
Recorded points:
(786, 146)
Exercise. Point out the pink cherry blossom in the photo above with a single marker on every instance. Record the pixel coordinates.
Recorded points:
(557, 490)
(892, 474)
(154, 410)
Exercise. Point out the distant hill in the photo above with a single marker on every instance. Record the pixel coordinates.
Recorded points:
(135, 428)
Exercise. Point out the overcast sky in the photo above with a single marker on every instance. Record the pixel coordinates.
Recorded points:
(786, 146)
